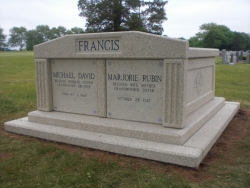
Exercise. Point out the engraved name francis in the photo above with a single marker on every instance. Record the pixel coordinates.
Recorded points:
(98, 45)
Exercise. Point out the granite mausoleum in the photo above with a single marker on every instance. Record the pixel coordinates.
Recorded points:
(130, 93)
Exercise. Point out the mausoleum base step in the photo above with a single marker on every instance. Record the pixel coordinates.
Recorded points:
(190, 154)
(137, 130)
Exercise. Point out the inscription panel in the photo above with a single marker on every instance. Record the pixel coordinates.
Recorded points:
(74, 86)
(200, 82)
(134, 90)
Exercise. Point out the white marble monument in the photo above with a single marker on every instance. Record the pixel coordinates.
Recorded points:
(130, 93)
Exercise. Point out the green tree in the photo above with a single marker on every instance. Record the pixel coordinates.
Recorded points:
(123, 15)
(238, 42)
(43, 33)
(181, 38)
(2, 38)
(17, 37)
(213, 39)
(212, 35)
(32, 39)
(195, 42)
(57, 32)
(75, 30)
(247, 40)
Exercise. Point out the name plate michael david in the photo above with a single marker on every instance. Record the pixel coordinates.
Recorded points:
(74, 85)
(134, 90)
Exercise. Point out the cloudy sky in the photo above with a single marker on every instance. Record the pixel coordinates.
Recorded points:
(184, 16)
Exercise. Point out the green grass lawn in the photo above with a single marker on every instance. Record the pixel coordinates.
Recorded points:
(16, 53)
(233, 82)
(17, 86)
(30, 162)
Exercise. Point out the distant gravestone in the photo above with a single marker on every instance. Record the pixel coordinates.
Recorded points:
(234, 60)
(248, 57)
(227, 58)
(130, 93)
(241, 55)
(231, 58)
(224, 60)
(237, 56)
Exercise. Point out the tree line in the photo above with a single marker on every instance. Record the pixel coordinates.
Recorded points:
(126, 15)
(101, 16)
(23, 38)
(212, 35)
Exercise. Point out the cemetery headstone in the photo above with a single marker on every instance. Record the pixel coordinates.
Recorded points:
(231, 58)
(224, 60)
(130, 93)
(241, 55)
(248, 57)
(234, 59)
(227, 59)
(237, 56)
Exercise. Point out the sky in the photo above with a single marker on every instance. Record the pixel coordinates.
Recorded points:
(184, 16)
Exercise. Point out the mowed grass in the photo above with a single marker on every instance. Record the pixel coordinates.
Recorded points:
(30, 162)
(233, 82)
(17, 86)
(16, 53)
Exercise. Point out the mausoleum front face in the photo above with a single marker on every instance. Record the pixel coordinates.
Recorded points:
(132, 90)
(130, 76)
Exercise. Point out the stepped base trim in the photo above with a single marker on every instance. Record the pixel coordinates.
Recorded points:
(190, 154)
(131, 129)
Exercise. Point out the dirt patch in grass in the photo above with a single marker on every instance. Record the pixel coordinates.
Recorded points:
(4, 156)
(233, 134)
(225, 147)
